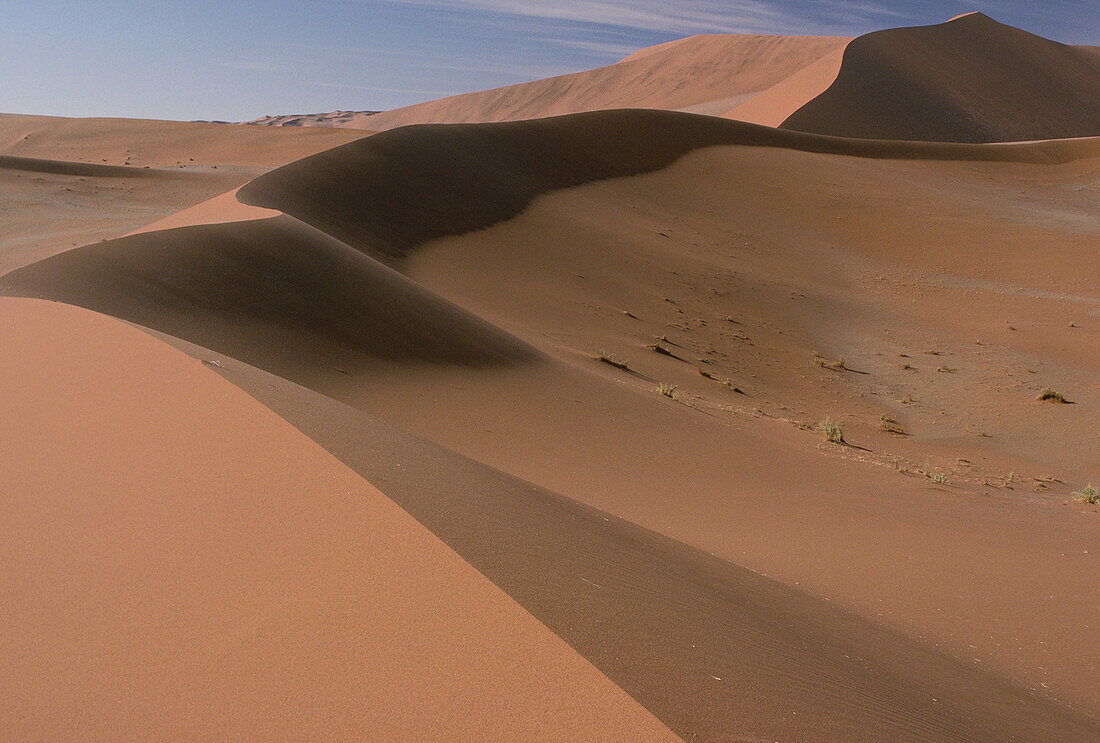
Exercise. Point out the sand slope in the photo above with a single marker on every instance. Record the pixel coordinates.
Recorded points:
(776, 104)
(706, 74)
(969, 80)
(179, 563)
(715, 651)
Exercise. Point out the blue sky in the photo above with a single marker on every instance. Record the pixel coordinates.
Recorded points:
(239, 59)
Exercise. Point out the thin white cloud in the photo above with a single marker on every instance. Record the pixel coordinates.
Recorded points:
(369, 89)
(695, 16)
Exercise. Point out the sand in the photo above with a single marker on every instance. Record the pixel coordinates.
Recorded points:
(708, 73)
(181, 563)
(361, 418)
(70, 182)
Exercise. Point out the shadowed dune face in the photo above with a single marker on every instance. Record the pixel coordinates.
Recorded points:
(387, 193)
(272, 291)
(969, 80)
(64, 167)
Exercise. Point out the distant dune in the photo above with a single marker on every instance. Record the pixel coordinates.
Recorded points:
(969, 80)
(332, 118)
(703, 74)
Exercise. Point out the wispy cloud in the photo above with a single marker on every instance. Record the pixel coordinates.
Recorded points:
(699, 16)
(371, 89)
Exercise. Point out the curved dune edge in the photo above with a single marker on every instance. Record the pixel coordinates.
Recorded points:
(433, 181)
(179, 562)
(776, 104)
(274, 292)
(221, 209)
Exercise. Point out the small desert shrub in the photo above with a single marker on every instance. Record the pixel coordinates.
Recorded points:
(666, 389)
(939, 478)
(1048, 394)
(1087, 494)
(610, 358)
(889, 425)
(832, 431)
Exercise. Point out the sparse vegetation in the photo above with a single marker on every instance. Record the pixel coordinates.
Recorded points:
(939, 478)
(832, 431)
(1087, 494)
(729, 383)
(615, 361)
(889, 425)
(666, 389)
(837, 365)
(1048, 395)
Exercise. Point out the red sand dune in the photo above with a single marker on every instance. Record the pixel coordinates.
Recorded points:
(705, 74)
(969, 80)
(180, 563)
(417, 505)
(621, 227)
(776, 104)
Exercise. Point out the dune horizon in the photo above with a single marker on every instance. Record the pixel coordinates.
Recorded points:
(742, 389)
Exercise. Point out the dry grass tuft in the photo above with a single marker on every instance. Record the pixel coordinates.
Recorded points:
(1087, 494)
(610, 358)
(832, 431)
(889, 425)
(1048, 395)
(729, 383)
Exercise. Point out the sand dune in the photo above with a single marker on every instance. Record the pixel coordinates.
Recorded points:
(969, 80)
(624, 226)
(468, 177)
(194, 568)
(331, 118)
(707, 74)
(709, 647)
(361, 470)
(274, 292)
(776, 104)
